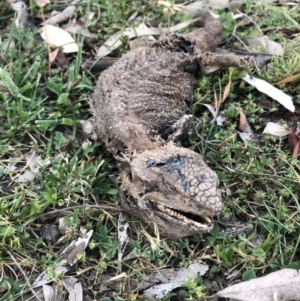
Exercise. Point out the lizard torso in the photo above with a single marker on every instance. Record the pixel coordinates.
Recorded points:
(137, 106)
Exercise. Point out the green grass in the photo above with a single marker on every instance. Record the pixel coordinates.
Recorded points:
(42, 112)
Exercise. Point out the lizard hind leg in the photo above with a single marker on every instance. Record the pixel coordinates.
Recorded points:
(210, 62)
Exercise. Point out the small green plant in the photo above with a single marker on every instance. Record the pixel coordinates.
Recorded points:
(194, 288)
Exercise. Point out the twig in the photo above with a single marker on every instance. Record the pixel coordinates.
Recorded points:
(56, 211)
(64, 15)
(48, 44)
(246, 47)
(22, 271)
(251, 20)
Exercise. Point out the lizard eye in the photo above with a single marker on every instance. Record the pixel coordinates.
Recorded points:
(152, 162)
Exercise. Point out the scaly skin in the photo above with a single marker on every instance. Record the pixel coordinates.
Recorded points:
(167, 180)
(135, 106)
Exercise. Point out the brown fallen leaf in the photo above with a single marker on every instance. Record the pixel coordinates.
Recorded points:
(217, 102)
(245, 130)
(296, 150)
(42, 3)
(294, 142)
(227, 88)
(289, 31)
(289, 79)
(61, 61)
(243, 120)
(282, 285)
(292, 168)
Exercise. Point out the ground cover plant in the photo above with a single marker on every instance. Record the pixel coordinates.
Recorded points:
(49, 169)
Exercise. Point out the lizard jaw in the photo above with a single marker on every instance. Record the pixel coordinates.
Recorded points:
(204, 226)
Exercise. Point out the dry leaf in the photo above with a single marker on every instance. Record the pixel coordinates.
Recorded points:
(34, 162)
(211, 110)
(7, 45)
(243, 121)
(78, 29)
(217, 102)
(263, 44)
(42, 278)
(227, 88)
(58, 37)
(64, 15)
(76, 247)
(42, 3)
(289, 79)
(61, 60)
(173, 280)
(243, 124)
(118, 277)
(53, 293)
(220, 119)
(197, 7)
(52, 55)
(142, 30)
(271, 91)
(245, 130)
(70, 257)
(282, 285)
(22, 13)
(294, 142)
(275, 130)
(289, 31)
(74, 288)
(122, 235)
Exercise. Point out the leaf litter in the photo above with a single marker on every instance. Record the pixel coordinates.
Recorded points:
(265, 45)
(34, 162)
(276, 129)
(281, 285)
(271, 91)
(69, 255)
(122, 235)
(58, 37)
(64, 15)
(177, 279)
(22, 12)
(131, 32)
(245, 131)
(170, 279)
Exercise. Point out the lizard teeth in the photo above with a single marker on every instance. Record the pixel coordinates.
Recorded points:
(182, 217)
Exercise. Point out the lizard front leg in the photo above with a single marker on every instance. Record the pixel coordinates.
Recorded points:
(179, 128)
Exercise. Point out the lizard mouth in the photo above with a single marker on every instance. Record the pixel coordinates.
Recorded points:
(201, 222)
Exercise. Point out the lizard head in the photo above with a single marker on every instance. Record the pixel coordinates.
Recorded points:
(174, 188)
